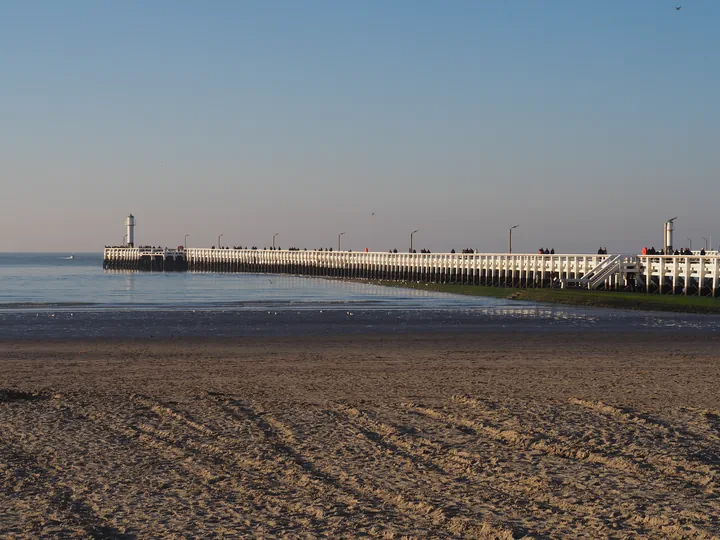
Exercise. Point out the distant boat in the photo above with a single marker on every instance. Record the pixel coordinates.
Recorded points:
(71, 257)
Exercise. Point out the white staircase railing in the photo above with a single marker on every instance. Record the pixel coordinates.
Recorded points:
(602, 271)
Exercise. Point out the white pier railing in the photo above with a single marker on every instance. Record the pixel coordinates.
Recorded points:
(675, 274)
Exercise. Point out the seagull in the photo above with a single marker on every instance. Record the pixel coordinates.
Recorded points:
(373, 213)
(270, 280)
(678, 8)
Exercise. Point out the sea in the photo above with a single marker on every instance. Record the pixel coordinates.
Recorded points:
(63, 295)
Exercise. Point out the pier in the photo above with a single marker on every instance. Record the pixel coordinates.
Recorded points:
(145, 258)
(664, 274)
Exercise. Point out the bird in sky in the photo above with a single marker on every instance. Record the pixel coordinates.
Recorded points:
(373, 213)
(678, 8)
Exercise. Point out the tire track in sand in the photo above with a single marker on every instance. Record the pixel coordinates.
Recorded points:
(709, 419)
(523, 486)
(626, 416)
(696, 471)
(106, 468)
(283, 440)
(527, 491)
(45, 483)
(216, 483)
(567, 450)
(525, 441)
(326, 498)
(639, 459)
(689, 515)
(216, 473)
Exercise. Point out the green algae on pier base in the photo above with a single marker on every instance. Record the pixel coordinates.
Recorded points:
(576, 297)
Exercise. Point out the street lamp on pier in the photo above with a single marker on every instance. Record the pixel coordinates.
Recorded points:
(219, 237)
(706, 243)
(339, 235)
(123, 241)
(510, 237)
(274, 235)
(411, 238)
(689, 241)
(185, 243)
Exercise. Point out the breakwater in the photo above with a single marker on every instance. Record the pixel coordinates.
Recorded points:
(671, 274)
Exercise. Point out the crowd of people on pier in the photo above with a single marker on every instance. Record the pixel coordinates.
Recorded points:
(541, 251)
(684, 251)
(139, 247)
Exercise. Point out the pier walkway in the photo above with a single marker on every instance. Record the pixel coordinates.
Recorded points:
(669, 274)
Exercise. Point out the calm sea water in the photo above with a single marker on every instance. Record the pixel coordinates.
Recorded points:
(52, 281)
(49, 295)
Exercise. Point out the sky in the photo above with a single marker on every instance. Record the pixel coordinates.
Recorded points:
(587, 124)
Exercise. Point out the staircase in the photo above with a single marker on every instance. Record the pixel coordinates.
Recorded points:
(598, 275)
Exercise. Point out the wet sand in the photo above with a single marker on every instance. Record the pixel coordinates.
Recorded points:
(463, 435)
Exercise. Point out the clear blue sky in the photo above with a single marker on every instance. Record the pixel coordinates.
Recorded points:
(586, 123)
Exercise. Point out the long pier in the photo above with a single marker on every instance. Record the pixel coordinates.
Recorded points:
(664, 274)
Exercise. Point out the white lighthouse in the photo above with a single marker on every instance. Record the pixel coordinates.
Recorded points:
(669, 236)
(130, 224)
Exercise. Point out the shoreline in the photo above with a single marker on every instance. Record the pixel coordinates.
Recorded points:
(522, 318)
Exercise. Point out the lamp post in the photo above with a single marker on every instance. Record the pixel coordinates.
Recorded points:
(339, 235)
(123, 241)
(274, 235)
(690, 241)
(510, 237)
(411, 235)
(185, 244)
(706, 243)
(218, 244)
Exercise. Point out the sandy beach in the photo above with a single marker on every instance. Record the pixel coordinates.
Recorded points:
(463, 435)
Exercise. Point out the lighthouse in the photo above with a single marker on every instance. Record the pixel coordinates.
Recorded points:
(130, 224)
(669, 236)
